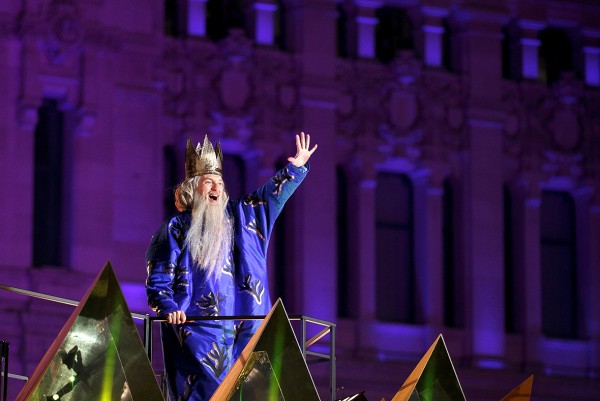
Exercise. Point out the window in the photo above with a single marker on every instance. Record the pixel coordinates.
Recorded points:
(342, 31)
(453, 282)
(282, 281)
(556, 54)
(234, 176)
(170, 165)
(394, 32)
(511, 289)
(224, 15)
(48, 223)
(174, 18)
(343, 270)
(559, 266)
(395, 270)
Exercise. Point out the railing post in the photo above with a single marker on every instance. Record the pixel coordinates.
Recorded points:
(4, 360)
(148, 336)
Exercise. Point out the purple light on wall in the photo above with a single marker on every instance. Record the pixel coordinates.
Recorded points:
(592, 65)
(529, 62)
(265, 30)
(197, 17)
(366, 36)
(433, 45)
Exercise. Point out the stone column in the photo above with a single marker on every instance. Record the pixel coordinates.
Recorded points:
(531, 263)
(428, 195)
(481, 39)
(313, 26)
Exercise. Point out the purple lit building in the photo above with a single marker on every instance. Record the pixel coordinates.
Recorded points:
(456, 188)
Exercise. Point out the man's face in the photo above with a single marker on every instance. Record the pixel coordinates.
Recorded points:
(210, 187)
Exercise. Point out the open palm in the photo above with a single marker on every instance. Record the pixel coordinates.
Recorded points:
(303, 151)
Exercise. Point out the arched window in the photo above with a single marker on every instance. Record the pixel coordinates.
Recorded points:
(394, 231)
(559, 265)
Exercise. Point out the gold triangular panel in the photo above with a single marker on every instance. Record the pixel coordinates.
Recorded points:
(97, 355)
(271, 367)
(522, 392)
(434, 378)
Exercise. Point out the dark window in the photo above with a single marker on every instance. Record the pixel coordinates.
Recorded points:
(510, 54)
(223, 15)
(281, 242)
(343, 270)
(342, 31)
(280, 26)
(447, 54)
(48, 186)
(170, 160)
(234, 176)
(395, 271)
(511, 289)
(175, 24)
(559, 265)
(453, 290)
(556, 54)
(394, 33)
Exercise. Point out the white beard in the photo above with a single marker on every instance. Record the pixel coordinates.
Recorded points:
(210, 236)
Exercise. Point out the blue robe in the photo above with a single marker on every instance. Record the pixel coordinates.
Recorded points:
(198, 355)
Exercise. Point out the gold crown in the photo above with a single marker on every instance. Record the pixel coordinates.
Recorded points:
(203, 160)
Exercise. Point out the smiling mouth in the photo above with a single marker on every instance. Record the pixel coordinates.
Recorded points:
(213, 197)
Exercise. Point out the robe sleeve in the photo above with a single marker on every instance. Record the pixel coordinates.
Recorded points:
(266, 203)
(161, 260)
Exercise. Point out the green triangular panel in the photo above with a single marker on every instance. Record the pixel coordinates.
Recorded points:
(98, 354)
(433, 378)
(271, 366)
(522, 392)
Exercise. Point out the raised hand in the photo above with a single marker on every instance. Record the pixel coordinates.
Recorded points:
(303, 151)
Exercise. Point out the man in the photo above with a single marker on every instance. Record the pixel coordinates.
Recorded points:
(210, 260)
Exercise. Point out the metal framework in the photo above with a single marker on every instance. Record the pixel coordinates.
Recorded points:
(328, 328)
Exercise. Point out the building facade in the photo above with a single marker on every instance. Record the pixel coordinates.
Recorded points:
(456, 188)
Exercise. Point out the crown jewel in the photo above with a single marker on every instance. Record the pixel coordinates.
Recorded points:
(203, 159)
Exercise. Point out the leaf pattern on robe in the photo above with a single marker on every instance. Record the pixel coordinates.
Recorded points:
(253, 200)
(253, 227)
(188, 387)
(280, 179)
(216, 360)
(254, 288)
(182, 334)
(239, 329)
(209, 304)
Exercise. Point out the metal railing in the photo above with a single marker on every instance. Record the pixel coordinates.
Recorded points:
(328, 330)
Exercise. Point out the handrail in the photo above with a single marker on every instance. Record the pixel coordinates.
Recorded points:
(147, 330)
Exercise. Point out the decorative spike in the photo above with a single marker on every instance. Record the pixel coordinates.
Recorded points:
(98, 353)
(259, 374)
(522, 392)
